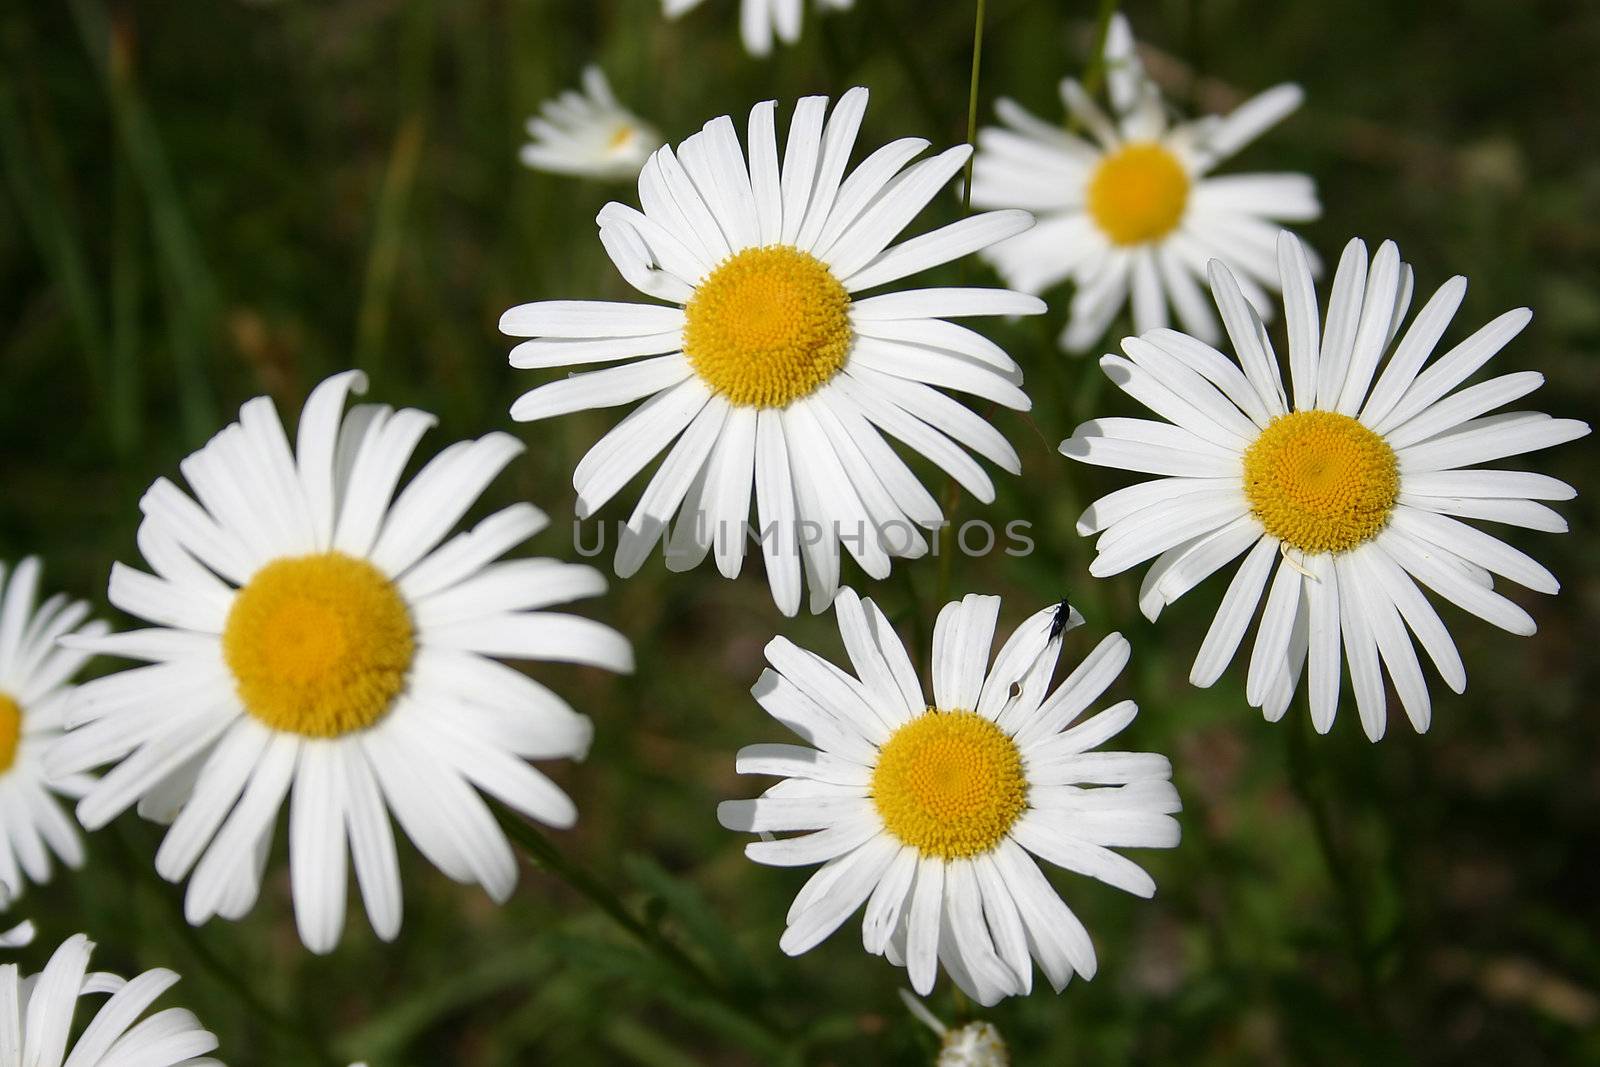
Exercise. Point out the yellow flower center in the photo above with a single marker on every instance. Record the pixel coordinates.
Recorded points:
(319, 645)
(10, 731)
(768, 326)
(1321, 481)
(621, 136)
(949, 784)
(1138, 193)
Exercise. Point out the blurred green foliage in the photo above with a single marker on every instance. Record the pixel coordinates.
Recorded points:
(203, 202)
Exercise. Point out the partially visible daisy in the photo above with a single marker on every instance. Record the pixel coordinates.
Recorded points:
(315, 641)
(589, 133)
(1134, 212)
(36, 1017)
(927, 811)
(766, 367)
(34, 695)
(761, 20)
(977, 1044)
(1352, 487)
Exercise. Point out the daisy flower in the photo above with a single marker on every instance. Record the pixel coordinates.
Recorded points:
(36, 1016)
(761, 20)
(977, 1044)
(766, 368)
(313, 640)
(589, 133)
(927, 811)
(1134, 212)
(34, 697)
(1344, 494)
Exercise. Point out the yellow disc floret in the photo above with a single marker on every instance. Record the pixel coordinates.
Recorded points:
(10, 731)
(1321, 481)
(319, 645)
(768, 326)
(949, 784)
(1138, 193)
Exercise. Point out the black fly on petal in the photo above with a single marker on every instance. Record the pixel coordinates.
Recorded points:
(1063, 617)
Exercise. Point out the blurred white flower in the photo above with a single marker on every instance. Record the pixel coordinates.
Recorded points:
(1353, 484)
(589, 133)
(761, 20)
(36, 1017)
(1134, 211)
(315, 640)
(927, 811)
(35, 695)
(764, 367)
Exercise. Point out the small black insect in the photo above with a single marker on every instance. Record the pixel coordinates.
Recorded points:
(1063, 615)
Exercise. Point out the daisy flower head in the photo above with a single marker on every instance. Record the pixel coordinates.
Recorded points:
(762, 20)
(316, 637)
(36, 1014)
(977, 1044)
(1132, 213)
(589, 133)
(931, 813)
(35, 694)
(766, 368)
(1345, 494)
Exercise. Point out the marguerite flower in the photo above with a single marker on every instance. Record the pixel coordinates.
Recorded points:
(761, 20)
(589, 133)
(34, 696)
(313, 640)
(977, 1044)
(1135, 211)
(927, 811)
(766, 367)
(1352, 486)
(36, 1017)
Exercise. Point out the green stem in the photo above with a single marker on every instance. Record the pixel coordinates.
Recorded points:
(946, 546)
(544, 853)
(972, 106)
(1352, 909)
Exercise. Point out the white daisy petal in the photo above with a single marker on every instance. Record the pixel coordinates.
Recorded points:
(938, 247)
(762, 139)
(1454, 367)
(574, 319)
(838, 138)
(1249, 338)
(894, 420)
(1466, 404)
(1253, 118)
(860, 871)
(1489, 438)
(317, 845)
(1238, 608)
(1372, 333)
(962, 638)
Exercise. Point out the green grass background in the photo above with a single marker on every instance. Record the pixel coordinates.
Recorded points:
(205, 202)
